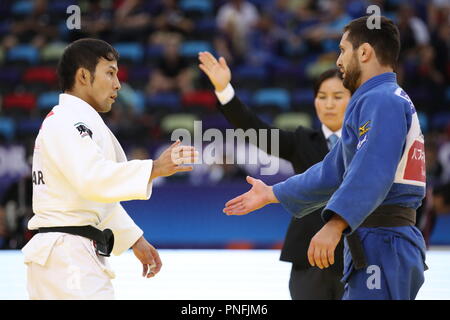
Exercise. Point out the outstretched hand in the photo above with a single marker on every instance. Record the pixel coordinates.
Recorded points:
(173, 159)
(217, 71)
(259, 195)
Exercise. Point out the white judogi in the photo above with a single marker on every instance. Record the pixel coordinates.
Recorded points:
(80, 174)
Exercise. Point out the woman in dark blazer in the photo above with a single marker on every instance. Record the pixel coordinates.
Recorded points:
(303, 147)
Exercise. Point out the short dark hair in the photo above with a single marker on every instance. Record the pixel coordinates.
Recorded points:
(329, 74)
(83, 53)
(385, 40)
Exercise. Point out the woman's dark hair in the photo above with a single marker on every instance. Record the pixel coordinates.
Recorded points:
(83, 53)
(329, 74)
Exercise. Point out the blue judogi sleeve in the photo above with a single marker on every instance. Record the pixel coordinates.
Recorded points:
(307, 192)
(374, 134)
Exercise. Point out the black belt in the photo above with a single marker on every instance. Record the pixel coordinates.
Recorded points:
(383, 217)
(103, 240)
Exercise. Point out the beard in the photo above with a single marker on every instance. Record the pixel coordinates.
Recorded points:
(352, 75)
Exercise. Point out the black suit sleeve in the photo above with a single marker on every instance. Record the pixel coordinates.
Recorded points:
(240, 116)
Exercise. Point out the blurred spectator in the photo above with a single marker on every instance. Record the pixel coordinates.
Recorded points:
(413, 31)
(441, 44)
(132, 21)
(96, 21)
(172, 71)
(235, 20)
(438, 14)
(437, 203)
(426, 82)
(329, 32)
(37, 28)
(169, 19)
(17, 209)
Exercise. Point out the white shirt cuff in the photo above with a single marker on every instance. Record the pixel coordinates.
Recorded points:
(226, 94)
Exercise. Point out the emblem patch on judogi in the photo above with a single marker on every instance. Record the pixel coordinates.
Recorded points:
(83, 130)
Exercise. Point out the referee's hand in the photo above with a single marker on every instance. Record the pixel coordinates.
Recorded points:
(148, 256)
(217, 71)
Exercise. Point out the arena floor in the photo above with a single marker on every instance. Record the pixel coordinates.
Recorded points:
(211, 275)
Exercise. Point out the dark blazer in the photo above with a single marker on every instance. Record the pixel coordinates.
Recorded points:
(303, 148)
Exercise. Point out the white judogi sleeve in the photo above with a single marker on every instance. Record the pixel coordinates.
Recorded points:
(93, 176)
(126, 232)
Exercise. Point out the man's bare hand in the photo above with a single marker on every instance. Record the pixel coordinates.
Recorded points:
(172, 160)
(259, 195)
(322, 245)
(217, 71)
(148, 256)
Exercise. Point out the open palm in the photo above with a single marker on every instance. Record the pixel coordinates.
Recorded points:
(218, 72)
(259, 195)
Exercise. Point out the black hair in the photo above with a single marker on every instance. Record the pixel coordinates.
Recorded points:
(329, 74)
(385, 40)
(83, 53)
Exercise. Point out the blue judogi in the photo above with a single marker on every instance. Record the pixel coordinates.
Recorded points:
(379, 160)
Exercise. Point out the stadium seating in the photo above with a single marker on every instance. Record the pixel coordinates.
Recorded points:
(25, 101)
(168, 100)
(172, 122)
(23, 53)
(22, 8)
(272, 97)
(201, 98)
(52, 52)
(190, 49)
(45, 75)
(291, 120)
(48, 100)
(7, 128)
(130, 52)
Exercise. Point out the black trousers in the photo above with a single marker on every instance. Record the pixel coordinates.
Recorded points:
(315, 284)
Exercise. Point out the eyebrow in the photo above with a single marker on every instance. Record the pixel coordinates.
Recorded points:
(113, 67)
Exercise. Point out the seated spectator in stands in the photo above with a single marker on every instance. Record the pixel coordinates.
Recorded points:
(437, 203)
(413, 31)
(3, 230)
(427, 79)
(267, 41)
(96, 21)
(329, 31)
(169, 18)
(235, 20)
(133, 22)
(172, 72)
(438, 14)
(441, 44)
(280, 12)
(37, 28)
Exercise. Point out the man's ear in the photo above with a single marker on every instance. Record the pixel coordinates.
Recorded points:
(83, 76)
(365, 52)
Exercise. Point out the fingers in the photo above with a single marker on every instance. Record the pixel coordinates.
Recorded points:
(184, 155)
(223, 62)
(176, 143)
(207, 59)
(236, 209)
(321, 257)
(311, 250)
(250, 180)
(331, 256)
(183, 169)
(157, 261)
(235, 200)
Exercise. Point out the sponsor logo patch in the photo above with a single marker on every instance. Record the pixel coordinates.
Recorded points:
(415, 164)
(364, 128)
(83, 130)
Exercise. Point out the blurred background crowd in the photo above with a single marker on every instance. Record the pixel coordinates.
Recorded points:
(275, 49)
